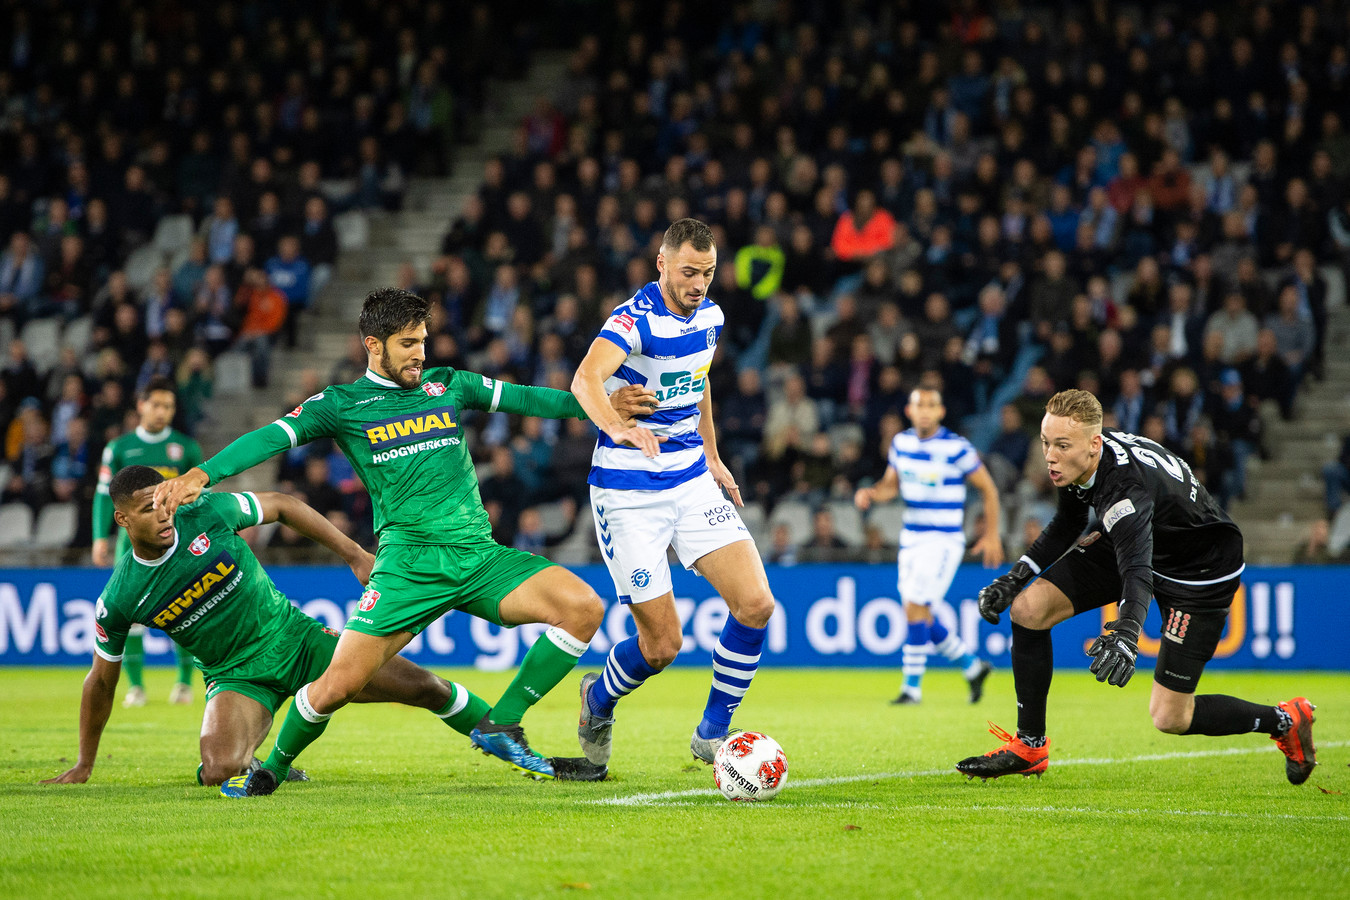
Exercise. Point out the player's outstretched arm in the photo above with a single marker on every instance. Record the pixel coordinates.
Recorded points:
(990, 544)
(888, 488)
(96, 701)
(296, 514)
(588, 386)
(245, 452)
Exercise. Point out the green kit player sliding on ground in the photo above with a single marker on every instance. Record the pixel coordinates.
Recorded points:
(400, 427)
(168, 451)
(192, 575)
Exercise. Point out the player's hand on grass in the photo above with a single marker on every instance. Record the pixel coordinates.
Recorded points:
(990, 549)
(362, 565)
(175, 492)
(1000, 593)
(1114, 652)
(638, 437)
(722, 475)
(74, 775)
(632, 401)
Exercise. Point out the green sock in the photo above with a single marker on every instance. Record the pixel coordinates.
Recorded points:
(465, 709)
(550, 660)
(184, 665)
(301, 727)
(133, 659)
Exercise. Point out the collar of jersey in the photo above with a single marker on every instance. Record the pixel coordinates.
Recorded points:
(381, 380)
(151, 438)
(658, 301)
(935, 434)
(167, 553)
(1082, 488)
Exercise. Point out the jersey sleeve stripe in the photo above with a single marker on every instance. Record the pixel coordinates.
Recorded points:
(615, 339)
(106, 655)
(257, 506)
(496, 395)
(672, 415)
(290, 433)
(631, 375)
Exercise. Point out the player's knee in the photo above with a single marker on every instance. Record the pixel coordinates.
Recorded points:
(582, 613)
(754, 611)
(1029, 615)
(662, 650)
(217, 768)
(1170, 719)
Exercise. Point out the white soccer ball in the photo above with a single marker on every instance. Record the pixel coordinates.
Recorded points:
(750, 766)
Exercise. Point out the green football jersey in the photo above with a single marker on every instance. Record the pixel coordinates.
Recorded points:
(208, 591)
(406, 444)
(170, 453)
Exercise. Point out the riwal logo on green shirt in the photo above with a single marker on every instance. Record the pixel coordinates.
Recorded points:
(198, 591)
(405, 429)
(676, 384)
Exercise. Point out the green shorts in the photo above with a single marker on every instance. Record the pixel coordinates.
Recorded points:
(298, 655)
(412, 585)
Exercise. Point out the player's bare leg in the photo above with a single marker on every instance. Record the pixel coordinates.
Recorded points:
(737, 573)
(233, 727)
(573, 612)
(1034, 612)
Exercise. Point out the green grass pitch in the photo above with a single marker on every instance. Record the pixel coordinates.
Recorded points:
(400, 806)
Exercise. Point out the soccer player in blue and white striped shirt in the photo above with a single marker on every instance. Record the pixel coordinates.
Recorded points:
(660, 484)
(929, 466)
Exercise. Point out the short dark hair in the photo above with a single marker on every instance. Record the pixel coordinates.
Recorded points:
(388, 310)
(131, 479)
(159, 383)
(688, 231)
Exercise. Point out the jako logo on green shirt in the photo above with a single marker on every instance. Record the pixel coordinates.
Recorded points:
(401, 430)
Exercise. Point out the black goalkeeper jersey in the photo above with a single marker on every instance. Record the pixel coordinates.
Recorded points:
(1157, 515)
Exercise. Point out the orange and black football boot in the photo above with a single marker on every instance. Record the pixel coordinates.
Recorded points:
(1012, 758)
(1297, 742)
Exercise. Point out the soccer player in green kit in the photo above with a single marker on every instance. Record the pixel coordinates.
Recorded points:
(168, 451)
(399, 425)
(192, 575)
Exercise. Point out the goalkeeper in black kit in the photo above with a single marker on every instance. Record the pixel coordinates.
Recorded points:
(1158, 534)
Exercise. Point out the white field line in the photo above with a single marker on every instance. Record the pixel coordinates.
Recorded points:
(662, 796)
(1070, 810)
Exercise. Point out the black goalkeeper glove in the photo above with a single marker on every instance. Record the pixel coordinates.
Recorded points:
(999, 595)
(1114, 652)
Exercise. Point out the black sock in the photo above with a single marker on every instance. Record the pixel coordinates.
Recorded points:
(1218, 714)
(1033, 665)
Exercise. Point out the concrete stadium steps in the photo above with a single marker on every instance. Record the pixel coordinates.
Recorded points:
(1284, 493)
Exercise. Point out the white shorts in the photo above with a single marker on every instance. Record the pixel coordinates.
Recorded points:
(927, 567)
(634, 529)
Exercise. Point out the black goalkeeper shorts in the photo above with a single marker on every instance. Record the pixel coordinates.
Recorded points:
(1193, 615)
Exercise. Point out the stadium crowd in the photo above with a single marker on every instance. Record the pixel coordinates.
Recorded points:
(998, 199)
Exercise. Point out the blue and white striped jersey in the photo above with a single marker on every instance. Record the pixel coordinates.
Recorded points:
(933, 475)
(671, 355)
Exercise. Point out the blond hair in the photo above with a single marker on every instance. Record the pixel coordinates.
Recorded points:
(1080, 406)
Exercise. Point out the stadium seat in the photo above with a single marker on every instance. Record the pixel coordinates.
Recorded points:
(353, 230)
(173, 233)
(1339, 538)
(16, 525)
(796, 516)
(77, 333)
(43, 339)
(889, 518)
(141, 266)
(56, 525)
(752, 514)
(848, 522)
(552, 517)
(233, 373)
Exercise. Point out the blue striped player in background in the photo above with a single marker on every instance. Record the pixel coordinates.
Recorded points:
(929, 466)
(659, 484)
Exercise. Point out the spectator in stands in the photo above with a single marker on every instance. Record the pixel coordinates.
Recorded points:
(1336, 477)
(1238, 327)
(262, 310)
(30, 455)
(1295, 339)
(21, 276)
(863, 231)
(1236, 421)
(219, 230)
(825, 544)
(289, 272)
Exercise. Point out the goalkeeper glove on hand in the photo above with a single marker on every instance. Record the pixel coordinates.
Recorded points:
(999, 595)
(1114, 652)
